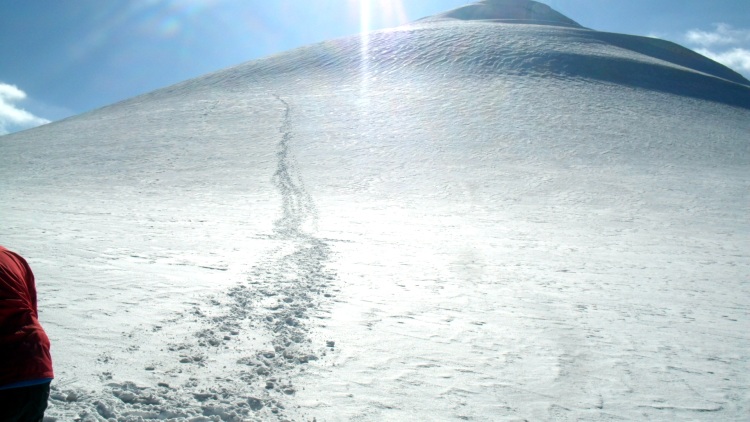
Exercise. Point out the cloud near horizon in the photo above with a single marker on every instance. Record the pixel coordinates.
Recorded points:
(725, 44)
(12, 118)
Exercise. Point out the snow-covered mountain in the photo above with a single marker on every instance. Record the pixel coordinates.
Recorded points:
(490, 214)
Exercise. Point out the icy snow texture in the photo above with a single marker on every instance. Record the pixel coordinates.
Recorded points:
(456, 219)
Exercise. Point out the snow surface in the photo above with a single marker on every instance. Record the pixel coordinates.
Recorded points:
(468, 220)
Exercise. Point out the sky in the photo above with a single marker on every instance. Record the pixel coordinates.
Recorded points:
(65, 57)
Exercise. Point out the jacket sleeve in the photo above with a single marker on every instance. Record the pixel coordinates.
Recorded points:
(17, 281)
(30, 285)
(24, 346)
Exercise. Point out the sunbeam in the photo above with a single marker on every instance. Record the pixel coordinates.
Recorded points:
(364, 34)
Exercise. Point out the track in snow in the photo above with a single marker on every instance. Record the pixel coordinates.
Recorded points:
(291, 286)
(234, 355)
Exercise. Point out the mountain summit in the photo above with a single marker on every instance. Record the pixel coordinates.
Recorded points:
(519, 11)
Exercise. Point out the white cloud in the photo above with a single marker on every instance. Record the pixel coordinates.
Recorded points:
(13, 118)
(723, 35)
(725, 44)
(736, 58)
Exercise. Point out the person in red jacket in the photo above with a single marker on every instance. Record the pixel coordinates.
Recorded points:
(25, 360)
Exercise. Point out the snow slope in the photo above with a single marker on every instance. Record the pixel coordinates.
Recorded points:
(458, 219)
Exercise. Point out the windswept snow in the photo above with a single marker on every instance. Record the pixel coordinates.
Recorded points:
(467, 220)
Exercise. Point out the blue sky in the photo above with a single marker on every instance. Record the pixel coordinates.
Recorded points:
(64, 57)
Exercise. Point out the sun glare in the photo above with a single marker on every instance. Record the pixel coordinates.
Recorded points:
(364, 17)
(364, 33)
(375, 14)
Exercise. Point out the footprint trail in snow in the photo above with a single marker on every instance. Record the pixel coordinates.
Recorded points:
(251, 341)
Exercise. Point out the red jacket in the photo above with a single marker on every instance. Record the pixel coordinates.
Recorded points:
(24, 346)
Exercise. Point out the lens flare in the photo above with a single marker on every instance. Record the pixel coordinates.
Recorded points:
(375, 14)
(364, 34)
